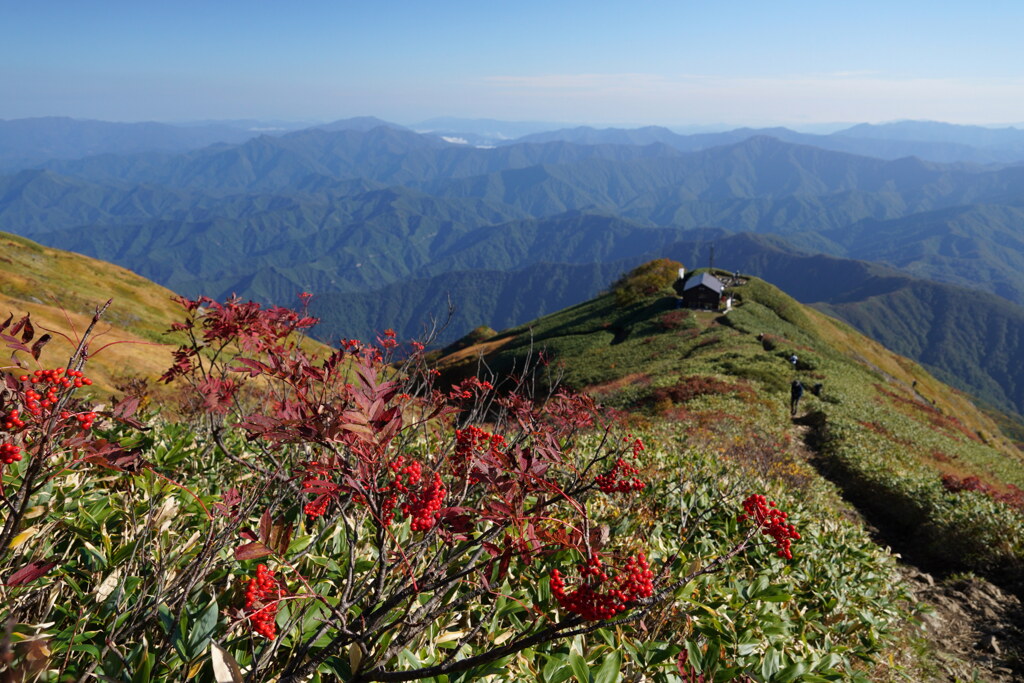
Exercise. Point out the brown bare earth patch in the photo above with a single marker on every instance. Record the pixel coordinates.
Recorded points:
(610, 387)
(473, 352)
(974, 629)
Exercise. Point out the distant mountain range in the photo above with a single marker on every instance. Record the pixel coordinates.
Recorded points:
(385, 225)
(34, 141)
(932, 141)
(30, 142)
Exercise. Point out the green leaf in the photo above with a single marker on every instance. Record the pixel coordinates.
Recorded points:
(609, 671)
(775, 593)
(163, 613)
(557, 669)
(86, 648)
(792, 672)
(202, 629)
(660, 652)
(178, 637)
(758, 587)
(144, 672)
(693, 654)
(770, 665)
(579, 668)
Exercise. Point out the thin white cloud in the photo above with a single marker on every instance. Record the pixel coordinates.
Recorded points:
(843, 95)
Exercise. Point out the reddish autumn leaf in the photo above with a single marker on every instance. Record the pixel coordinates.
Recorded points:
(29, 331)
(13, 343)
(112, 456)
(457, 519)
(38, 346)
(253, 367)
(252, 551)
(227, 506)
(280, 536)
(266, 521)
(30, 572)
(318, 487)
(19, 325)
(126, 407)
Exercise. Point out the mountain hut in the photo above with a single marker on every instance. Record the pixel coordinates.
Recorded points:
(701, 291)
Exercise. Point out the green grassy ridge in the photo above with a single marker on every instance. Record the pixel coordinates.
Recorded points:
(969, 338)
(888, 427)
(61, 291)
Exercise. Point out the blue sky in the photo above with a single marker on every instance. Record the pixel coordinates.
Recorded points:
(669, 63)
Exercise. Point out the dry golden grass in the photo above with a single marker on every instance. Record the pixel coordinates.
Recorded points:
(471, 353)
(61, 291)
(914, 381)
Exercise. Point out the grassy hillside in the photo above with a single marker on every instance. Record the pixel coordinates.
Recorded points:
(883, 428)
(62, 290)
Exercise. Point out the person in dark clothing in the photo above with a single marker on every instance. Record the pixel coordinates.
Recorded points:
(816, 389)
(796, 391)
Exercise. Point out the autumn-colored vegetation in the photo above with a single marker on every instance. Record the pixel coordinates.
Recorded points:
(361, 514)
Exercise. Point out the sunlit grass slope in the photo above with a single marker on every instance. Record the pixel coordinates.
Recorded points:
(883, 428)
(61, 291)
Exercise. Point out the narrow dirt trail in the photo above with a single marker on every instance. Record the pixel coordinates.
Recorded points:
(975, 629)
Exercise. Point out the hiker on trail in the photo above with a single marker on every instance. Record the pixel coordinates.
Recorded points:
(796, 391)
(793, 359)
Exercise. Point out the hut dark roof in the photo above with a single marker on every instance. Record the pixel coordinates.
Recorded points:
(706, 279)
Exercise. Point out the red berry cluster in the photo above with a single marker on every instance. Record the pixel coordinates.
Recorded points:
(412, 472)
(424, 505)
(388, 508)
(621, 478)
(85, 419)
(634, 582)
(53, 382)
(12, 421)
(318, 507)
(261, 597)
(469, 388)
(763, 513)
(9, 453)
(388, 341)
(313, 473)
